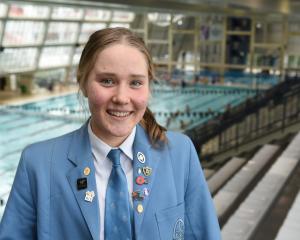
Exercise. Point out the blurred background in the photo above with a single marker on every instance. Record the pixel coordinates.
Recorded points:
(227, 75)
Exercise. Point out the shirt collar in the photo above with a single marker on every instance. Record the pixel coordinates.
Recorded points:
(100, 148)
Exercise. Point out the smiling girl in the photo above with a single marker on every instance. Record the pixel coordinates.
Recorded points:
(121, 175)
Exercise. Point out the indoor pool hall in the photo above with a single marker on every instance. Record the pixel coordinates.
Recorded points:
(199, 101)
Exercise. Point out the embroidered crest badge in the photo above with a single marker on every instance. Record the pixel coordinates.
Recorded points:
(147, 171)
(178, 231)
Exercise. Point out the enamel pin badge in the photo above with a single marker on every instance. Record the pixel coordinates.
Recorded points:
(89, 196)
(141, 157)
(147, 171)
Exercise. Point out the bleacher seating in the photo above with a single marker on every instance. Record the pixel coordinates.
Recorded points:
(250, 214)
(224, 174)
(228, 198)
(290, 230)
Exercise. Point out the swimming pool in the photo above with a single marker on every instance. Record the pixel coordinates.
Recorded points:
(174, 107)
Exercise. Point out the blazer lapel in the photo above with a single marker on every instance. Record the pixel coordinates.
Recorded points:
(81, 156)
(144, 169)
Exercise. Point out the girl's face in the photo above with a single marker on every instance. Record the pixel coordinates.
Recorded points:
(117, 89)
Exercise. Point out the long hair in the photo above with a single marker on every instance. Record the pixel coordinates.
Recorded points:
(104, 38)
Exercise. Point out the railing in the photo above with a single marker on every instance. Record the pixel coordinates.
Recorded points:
(269, 111)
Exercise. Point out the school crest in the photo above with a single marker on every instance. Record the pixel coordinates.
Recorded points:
(147, 171)
(178, 231)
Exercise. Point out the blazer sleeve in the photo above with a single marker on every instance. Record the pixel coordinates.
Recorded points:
(200, 217)
(19, 219)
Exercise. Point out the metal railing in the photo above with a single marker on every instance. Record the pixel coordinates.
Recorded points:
(269, 111)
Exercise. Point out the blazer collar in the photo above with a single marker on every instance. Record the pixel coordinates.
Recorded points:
(81, 156)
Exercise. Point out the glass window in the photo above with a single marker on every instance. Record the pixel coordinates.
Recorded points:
(55, 56)
(3, 9)
(17, 59)
(124, 25)
(238, 24)
(294, 26)
(266, 57)
(100, 15)
(77, 55)
(60, 32)
(159, 52)
(211, 28)
(88, 28)
(266, 32)
(210, 52)
(156, 32)
(183, 22)
(66, 13)
(292, 58)
(159, 19)
(138, 23)
(28, 11)
(23, 32)
(183, 47)
(237, 49)
(122, 16)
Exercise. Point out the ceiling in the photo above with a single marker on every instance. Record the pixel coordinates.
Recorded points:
(289, 7)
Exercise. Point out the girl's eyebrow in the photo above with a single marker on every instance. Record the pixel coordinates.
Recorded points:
(110, 74)
(138, 76)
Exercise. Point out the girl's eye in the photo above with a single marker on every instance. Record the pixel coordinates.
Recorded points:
(136, 84)
(107, 82)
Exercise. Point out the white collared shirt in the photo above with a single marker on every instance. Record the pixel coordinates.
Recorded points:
(103, 167)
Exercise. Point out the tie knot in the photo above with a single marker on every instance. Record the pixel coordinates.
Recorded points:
(114, 156)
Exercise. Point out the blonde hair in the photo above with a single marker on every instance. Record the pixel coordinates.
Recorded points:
(104, 38)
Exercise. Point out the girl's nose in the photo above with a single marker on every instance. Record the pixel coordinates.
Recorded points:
(121, 96)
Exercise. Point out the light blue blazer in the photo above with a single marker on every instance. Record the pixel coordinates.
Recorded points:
(45, 203)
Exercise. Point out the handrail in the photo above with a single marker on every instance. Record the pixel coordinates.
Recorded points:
(273, 97)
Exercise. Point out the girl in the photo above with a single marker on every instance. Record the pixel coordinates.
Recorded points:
(121, 175)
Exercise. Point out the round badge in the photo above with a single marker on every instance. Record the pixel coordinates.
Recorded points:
(140, 208)
(140, 180)
(86, 171)
(141, 157)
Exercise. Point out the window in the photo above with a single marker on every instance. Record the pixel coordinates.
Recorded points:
(159, 19)
(77, 55)
(23, 32)
(18, 59)
(124, 25)
(67, 13)
(55, 56)
(28, 11)
(100, 15)
(88, 28)
(3, 9)
(60, 32)
(122, 16)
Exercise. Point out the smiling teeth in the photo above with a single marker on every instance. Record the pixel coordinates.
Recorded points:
(120, 114)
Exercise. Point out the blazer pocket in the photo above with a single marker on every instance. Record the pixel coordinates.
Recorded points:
(170, 222)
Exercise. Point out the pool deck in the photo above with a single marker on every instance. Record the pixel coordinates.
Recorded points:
(8, 97)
